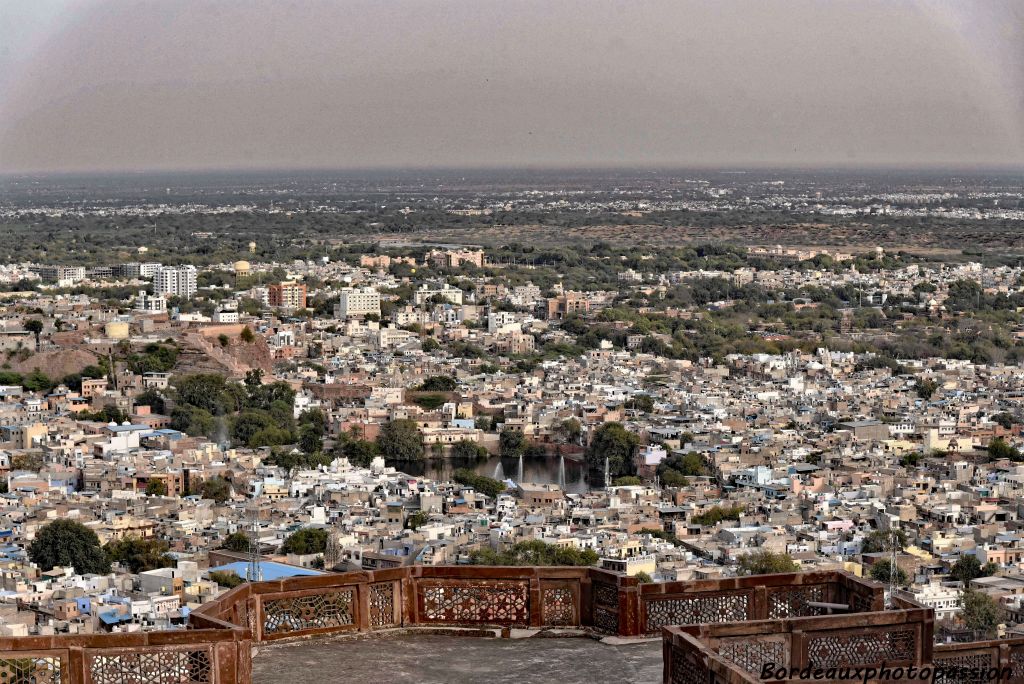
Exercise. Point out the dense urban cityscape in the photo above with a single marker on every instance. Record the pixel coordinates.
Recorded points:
(685, 413)
(572, 341)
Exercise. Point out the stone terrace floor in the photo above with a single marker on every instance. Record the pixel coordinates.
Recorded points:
(437, 659)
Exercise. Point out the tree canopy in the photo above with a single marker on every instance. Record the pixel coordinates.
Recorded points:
(613, 442)
(481, 483)
(306, 541)
(535, 552)
(68, 543)
(765, 562)
(400, 440)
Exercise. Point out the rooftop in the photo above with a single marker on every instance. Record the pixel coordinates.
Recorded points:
(426, 659)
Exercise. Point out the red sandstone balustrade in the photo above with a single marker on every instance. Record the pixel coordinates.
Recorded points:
(216, 649)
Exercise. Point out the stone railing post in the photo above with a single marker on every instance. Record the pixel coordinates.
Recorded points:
(629, 607)
(362, 617)
(586, 601)
(536, 601)
(758, 604)
(78, 667)
(798, 649)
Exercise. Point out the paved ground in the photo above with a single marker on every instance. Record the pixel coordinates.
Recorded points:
(435, 659)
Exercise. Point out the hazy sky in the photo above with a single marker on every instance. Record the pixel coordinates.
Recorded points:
(188, 84)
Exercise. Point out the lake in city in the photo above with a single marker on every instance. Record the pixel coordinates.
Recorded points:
(550, 470)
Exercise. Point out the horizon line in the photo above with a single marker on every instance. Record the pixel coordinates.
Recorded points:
(966, 167)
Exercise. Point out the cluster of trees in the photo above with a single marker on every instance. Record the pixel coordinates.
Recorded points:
(1000, 448)
(675, 470)
(481, 483)
(615, 444)
(535, 552)
(968, 567)
(765, 562)
(306, 541)
(251, 414)
(68, 543)
(717, 514)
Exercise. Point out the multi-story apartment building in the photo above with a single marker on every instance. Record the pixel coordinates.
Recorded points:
(358, 301)
(175, 281)
(288, 295)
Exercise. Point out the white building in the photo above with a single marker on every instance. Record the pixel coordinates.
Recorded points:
(225, 317)
(426, 293)
(150, 303)
(175, 281)
(358, 301)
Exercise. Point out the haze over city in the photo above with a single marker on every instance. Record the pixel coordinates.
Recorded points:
(97, 85)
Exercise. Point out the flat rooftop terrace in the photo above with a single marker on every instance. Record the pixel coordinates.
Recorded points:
(439, 659)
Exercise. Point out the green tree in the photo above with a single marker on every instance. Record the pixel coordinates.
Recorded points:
(237, 541)
(481, 483)
(568, 431)
(38, 381)
(216, 488)
(247, 335)
(416, 520)
(229, 580)
(627, 481)
(153, 399)
(641, 402)
(310, 439)
(968, 567)
(68, 543)
(1004, 419)
(882, 572)
(306, 541)
(615, 443)
(156, 488)
(643, 578)
(674, 470)
(34, 326)
(400, 440)
(765, 562)
(880, 541)
(438, 383)
(511, 443)
(535, 552)
(925, 388)
(981, 613)
(139, 555)
(468, 449)
(717, 514)
(1000, 448)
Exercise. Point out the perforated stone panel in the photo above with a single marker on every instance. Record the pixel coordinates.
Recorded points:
(42, 670)
(293, 614)
(862, 648)
(688, 668)
(980, 661)
(559, 606)
(151, 667)
(787, 603)
(489, 601)
(700, 609)
(382, 604)
(751, 653)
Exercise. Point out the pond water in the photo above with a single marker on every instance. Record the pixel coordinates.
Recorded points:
(550, 470)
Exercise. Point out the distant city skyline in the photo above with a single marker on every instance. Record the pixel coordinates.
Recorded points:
(101, 86)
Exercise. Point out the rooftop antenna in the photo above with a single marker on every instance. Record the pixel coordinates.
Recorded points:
(255, 573)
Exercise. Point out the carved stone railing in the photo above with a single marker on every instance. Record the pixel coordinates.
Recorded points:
(764, 597)
(209, 656)
(773, 613)
(1002, 656)
(894, 638)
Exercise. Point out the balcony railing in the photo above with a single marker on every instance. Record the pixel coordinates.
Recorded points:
(730, 625)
